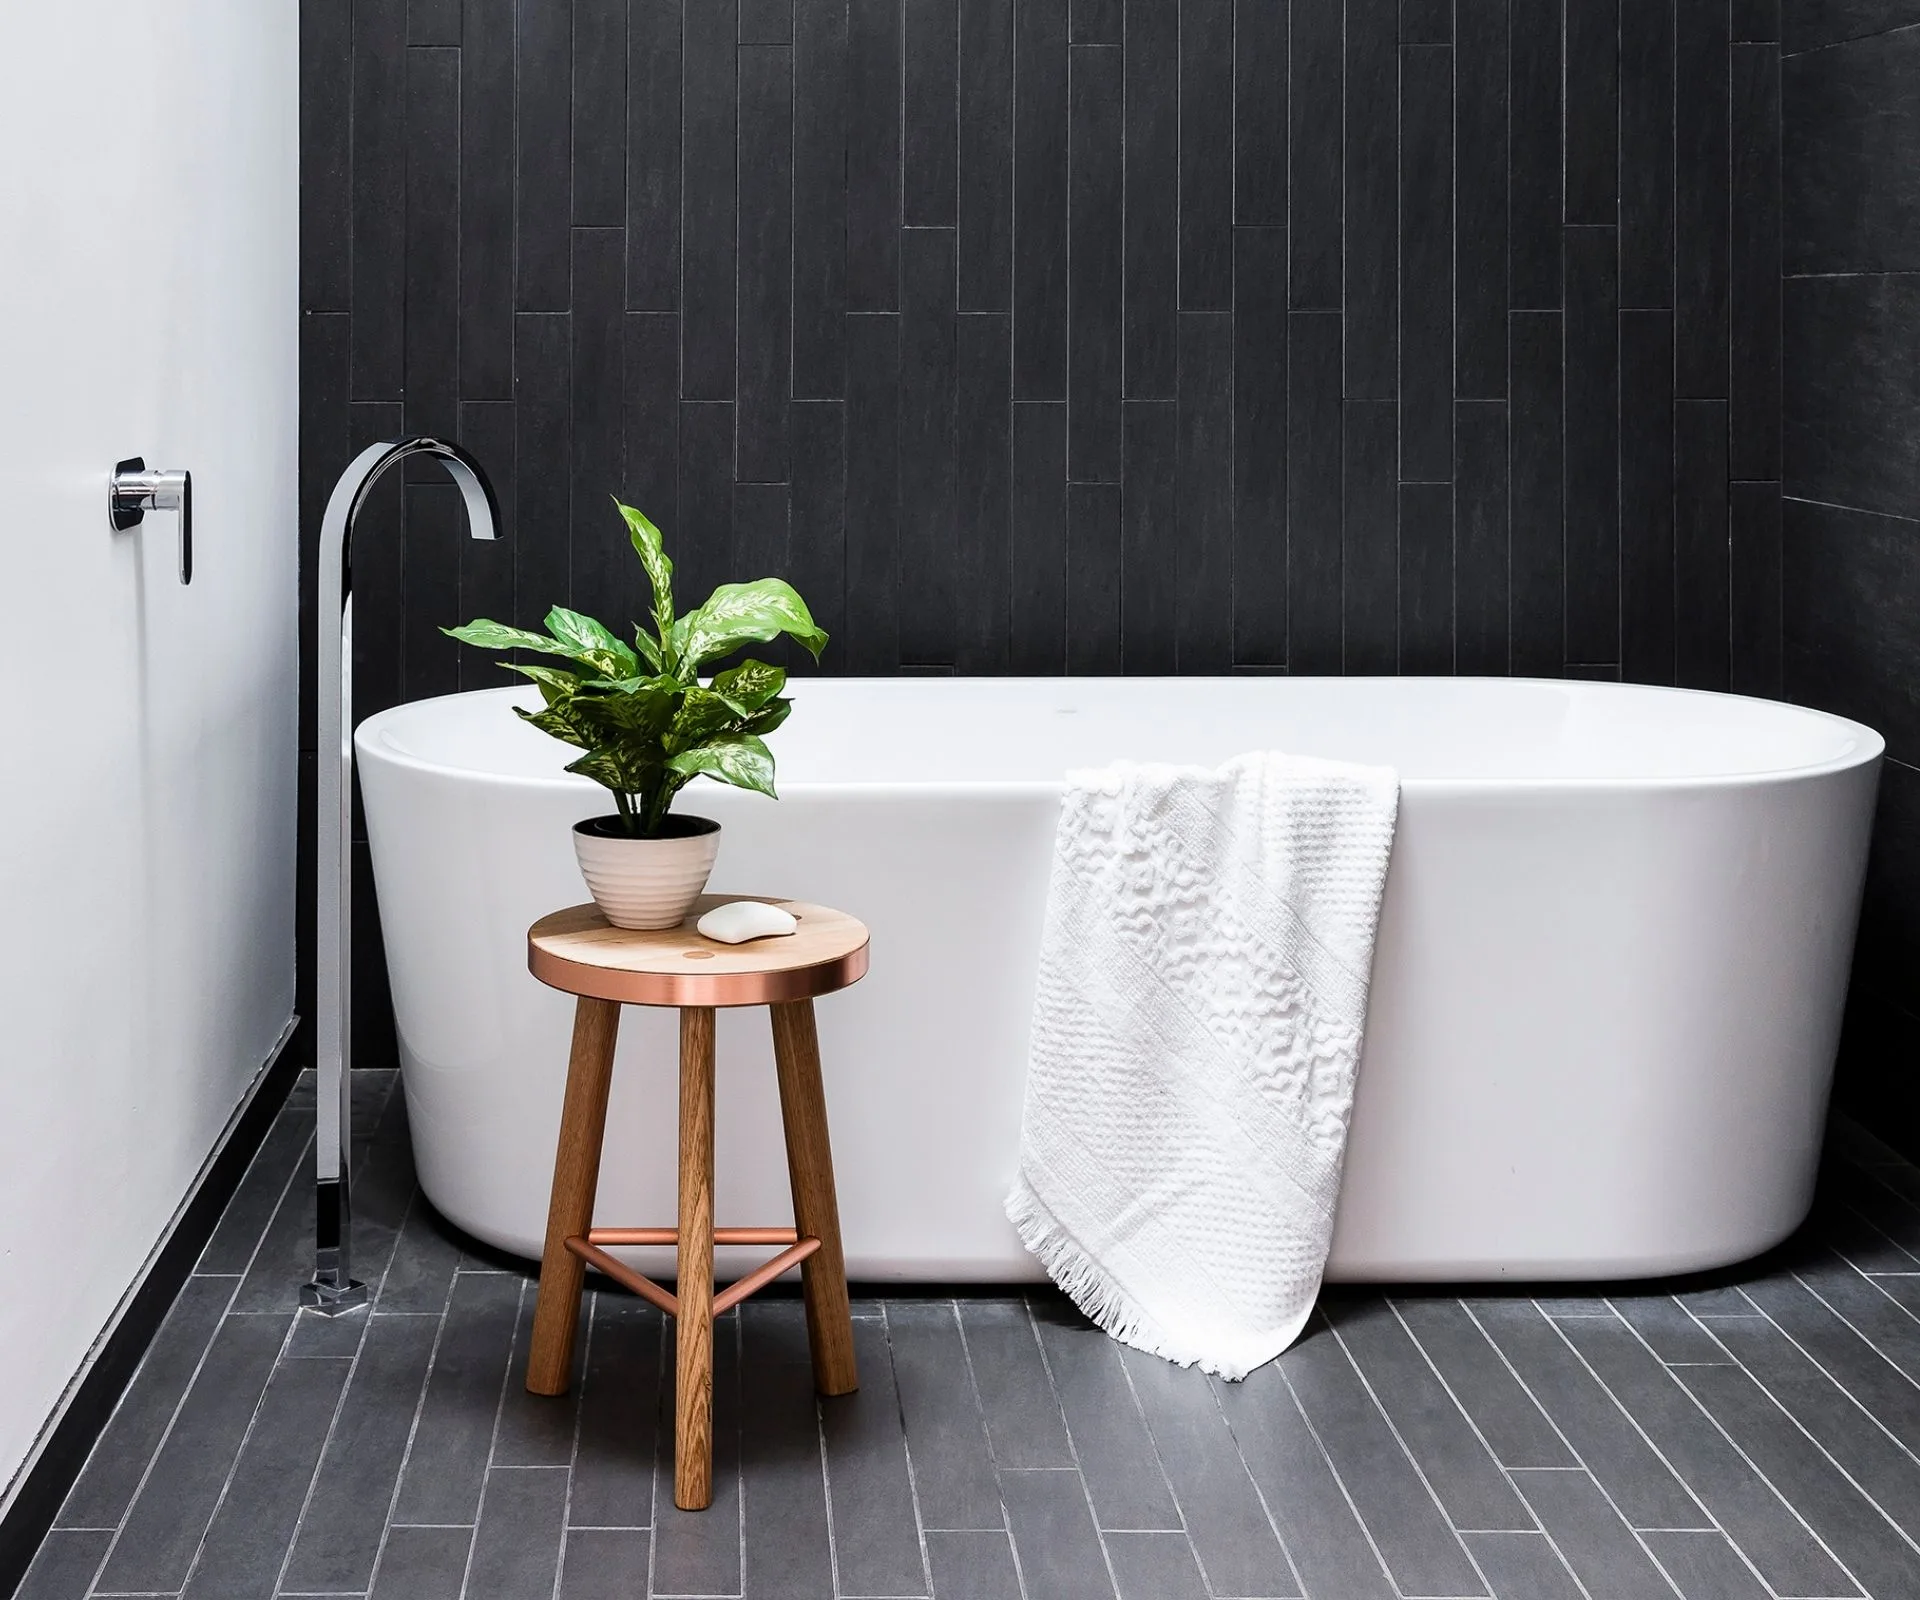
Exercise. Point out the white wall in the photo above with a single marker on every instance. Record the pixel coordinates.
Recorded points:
(148, 306)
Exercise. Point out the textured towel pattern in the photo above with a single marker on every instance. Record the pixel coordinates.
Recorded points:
(1197, 1028)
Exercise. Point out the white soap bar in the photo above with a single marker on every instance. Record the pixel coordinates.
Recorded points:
(740, 920)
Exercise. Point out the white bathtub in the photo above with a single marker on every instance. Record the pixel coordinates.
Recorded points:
(1606, 995)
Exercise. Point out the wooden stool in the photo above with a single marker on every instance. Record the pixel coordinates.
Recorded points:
(578, 951)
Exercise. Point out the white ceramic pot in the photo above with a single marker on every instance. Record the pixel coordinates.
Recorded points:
(646, 883)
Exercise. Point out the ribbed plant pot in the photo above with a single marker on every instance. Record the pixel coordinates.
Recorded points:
(646, 883)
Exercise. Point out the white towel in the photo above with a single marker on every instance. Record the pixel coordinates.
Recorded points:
(1196, 1034)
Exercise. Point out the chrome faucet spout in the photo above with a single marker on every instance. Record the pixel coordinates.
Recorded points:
(333, 1288)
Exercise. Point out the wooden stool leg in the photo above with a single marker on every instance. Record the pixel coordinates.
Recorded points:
(693, 1388)
(816, 1213)
(576, 1175)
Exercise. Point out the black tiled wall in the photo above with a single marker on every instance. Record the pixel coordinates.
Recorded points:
(1066, 335)
(1851, 95)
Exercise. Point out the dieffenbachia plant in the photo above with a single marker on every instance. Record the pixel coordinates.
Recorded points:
(647, 723)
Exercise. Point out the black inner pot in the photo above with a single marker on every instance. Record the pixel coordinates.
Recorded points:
(675, 826)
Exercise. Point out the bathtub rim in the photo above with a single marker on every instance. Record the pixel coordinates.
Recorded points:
(1870, 748)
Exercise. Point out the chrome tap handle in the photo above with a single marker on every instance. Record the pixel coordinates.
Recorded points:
(137, 489)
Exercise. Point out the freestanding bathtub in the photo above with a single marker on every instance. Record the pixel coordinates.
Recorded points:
(1606, 994)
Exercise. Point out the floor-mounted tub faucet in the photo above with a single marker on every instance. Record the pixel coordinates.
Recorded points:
(333, 1288)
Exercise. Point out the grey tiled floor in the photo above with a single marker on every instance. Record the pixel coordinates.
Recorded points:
(1756, 1436)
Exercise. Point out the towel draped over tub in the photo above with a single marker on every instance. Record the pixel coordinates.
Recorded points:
(1197, 1028)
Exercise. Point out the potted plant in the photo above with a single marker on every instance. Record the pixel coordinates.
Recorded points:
(649, 726)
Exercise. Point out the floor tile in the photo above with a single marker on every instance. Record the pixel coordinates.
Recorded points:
(619, 1414)
(1704, 1566)
(64, 1565)
(1024, 1424)
(783, 1518)
(972, 1566)
(1523, 1566)
(157, 1543)
(605, 1564)
(1508, 1418)
(1670, 1330)
(516, 1547)
(875, 1538)
(698, 1552)
(1224, 1517)
(423, 1564)
(1154, 1566)
(1110, 1439)
(947, 1436)
(1591, 1538)
(1053, 1534)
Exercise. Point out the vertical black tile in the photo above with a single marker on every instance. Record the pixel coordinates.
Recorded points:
(1152, 266)
(1646, 496)
(1370, 557)
(1260, 447)
(1316, 152)
(1480, 538)
(930, 156)
(1701, 563)
(1426, 263)
(766, 261)
(1593, 110)
(340, 1529)
(1040, 200)
(702, 546)
(1480, 200)
(1426, 22)
(432, 242)
(485, 297)
(650, 466)
(820, 189)
(1701, 160)
(653, 155)
(326, 156)
(1535, 177)
(1098, 21)
(819, 527)
(873, 157)
(1426, 577)
(163, 1529)
(603, 576)
(1593, 458)
(1754, 289)
(1206, 155)
(1093, 577)
(599, 113)
(1646, 153)
(1203, 554)
(986, 155)
(1757, 19)
(433, 22)
(928, 379)
(1538, 475)
(1754, 648)
(1149, 518)
(872, 494)
(1371, 294)
(983, 482)
(1315, 476)
(543, 159)
(379, 191)
(1259, 114)
(708, 219)
(430, 582)
(1039, 556)
(766, 22)
(1094, 204)
(760, 542)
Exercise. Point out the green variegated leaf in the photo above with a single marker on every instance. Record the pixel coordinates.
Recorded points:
(740, 759)
(555, 685)
(768, 717)
(491, 635)
(749, 686)
(649, 649)
(744, 613)
(651, 549)
(559, 721)
(702, 714)
(592, 644)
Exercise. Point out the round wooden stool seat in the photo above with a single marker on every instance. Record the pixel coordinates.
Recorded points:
(604, 967)
(579, 951)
